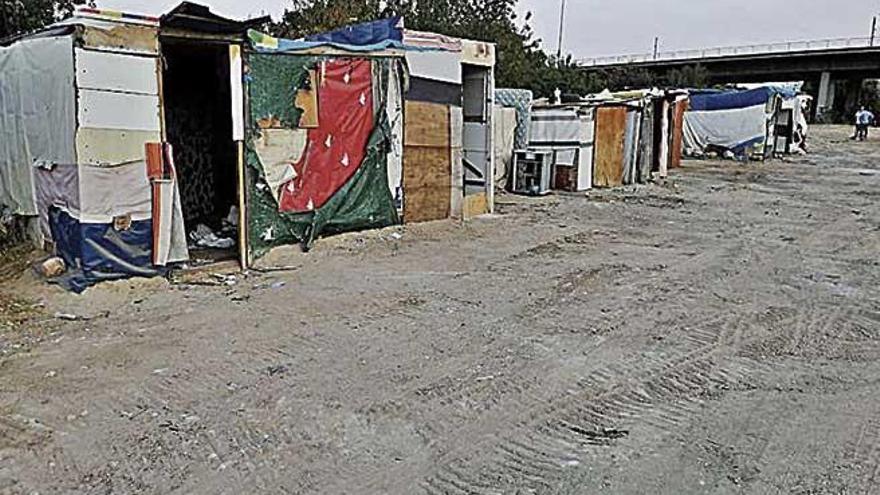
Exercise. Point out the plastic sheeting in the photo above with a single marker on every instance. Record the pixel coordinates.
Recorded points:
(56, 186)
(101, 252)
(735, 130)
(521, 100)
(631, 147)
(709, 100)
(394, 111)
(267, 44)
(364, 200)
(504, 127)
(108, 192)
(366, 33)
(338, 145)
(37, 115)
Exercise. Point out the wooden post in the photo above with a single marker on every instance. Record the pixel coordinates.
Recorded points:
(242, 213)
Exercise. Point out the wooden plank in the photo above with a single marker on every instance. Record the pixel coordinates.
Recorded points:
(677, 136)
(307, 101)
(610, 134)
(476, 205)
(426, 124)
(427, 180)
(236, 85)
(125, 38)
(427, 162)
(243, 244)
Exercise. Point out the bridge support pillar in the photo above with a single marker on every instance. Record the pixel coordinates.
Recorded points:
(825, 100)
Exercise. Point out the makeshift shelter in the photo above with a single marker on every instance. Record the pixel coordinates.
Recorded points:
(567, 131)
(791, 126)
(449, 159)
(741, 122)
(276, 141)
(98, 77)
(610, 139)
(193, 137)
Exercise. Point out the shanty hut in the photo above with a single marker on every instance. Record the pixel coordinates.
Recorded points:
(81, 102)
(610, 139)
(449, 159)
(140, 161)
(741, 122)
(190, 137)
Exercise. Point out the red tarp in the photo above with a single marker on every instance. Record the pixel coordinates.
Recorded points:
(337, 147)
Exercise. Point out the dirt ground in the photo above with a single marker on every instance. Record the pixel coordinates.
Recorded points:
(716, 334)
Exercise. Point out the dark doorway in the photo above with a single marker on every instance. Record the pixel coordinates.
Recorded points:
(198, 119)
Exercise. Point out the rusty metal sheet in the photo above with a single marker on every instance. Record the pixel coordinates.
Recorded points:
(676, 133)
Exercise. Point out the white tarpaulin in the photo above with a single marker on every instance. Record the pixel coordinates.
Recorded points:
(734, 129)
(37, 115)
(505, 139)
(394, 110)
(108, 192)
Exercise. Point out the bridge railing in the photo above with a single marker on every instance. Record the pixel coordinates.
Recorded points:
(732, 51)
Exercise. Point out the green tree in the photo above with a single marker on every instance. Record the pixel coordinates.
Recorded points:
(21, 16)
(689, 76)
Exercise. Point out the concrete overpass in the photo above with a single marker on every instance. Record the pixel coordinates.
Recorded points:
(832, 69)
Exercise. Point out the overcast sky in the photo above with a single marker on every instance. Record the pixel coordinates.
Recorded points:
(614, 27)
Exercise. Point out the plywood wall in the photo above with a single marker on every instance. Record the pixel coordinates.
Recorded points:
(427, 162)
(610, 134)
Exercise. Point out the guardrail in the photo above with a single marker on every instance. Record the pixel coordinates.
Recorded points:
(732, 51)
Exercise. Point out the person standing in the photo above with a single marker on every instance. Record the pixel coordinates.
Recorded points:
(864, 119)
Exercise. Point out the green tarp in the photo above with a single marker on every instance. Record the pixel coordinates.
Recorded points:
(363, 202)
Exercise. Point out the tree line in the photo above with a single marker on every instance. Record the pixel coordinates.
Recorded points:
(23, 16)
(522, 63)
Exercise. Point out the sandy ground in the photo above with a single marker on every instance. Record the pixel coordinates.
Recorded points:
(716, 334)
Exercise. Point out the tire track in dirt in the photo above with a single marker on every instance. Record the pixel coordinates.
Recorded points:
(711, 258)
(696, 372)
(526, 401)
(666, 396)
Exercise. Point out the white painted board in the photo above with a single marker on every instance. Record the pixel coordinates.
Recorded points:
(106, 110)
(116, 72)
(435, 65)
(236, 73)
(585, 169)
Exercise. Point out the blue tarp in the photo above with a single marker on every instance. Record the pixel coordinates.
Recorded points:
(709, 100)
(98, 252)
(267, 44)
(367, 33)
(385, 34)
